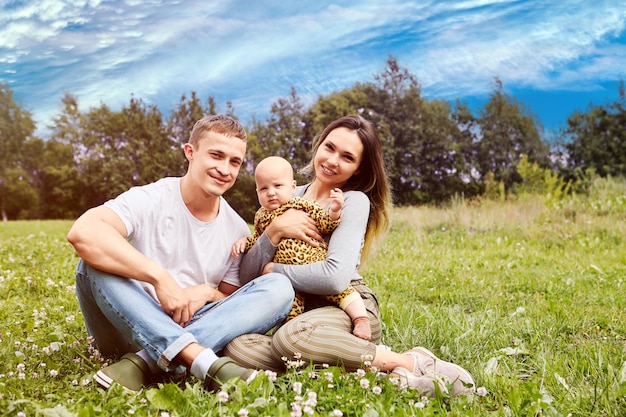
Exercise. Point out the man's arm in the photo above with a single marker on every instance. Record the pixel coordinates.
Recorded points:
(99, 238)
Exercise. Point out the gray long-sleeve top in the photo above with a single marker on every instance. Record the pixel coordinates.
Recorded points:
(331, 276)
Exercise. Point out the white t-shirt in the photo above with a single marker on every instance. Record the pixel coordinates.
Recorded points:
(161, 227)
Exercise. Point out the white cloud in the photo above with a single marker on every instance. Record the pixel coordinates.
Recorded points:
(252, 53)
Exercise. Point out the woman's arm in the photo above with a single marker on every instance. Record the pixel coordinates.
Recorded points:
(344, 251)
(293, 223)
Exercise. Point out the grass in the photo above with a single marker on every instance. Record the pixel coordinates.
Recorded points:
(526, 294)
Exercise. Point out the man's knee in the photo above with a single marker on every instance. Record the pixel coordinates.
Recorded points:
(281, 287)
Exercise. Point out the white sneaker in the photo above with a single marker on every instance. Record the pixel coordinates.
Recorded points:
(426, 385)
(425, 363)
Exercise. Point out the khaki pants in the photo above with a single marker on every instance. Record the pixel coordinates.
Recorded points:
(322, 335)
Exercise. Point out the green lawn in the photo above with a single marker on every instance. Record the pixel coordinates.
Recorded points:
(528, 295)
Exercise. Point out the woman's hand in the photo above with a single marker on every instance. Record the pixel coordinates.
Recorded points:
(294, 224)
(268, 268)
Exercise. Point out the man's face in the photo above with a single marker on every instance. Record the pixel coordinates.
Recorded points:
(214, 163)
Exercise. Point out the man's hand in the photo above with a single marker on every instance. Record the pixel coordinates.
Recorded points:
(175, 301)
(200, 295)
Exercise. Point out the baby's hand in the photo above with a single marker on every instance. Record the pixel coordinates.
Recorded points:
(336, 203)
(239, 247)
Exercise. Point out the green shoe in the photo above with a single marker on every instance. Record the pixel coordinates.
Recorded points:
(223, 370)
(131, 372)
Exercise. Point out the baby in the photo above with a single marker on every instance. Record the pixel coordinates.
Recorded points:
(275, 186)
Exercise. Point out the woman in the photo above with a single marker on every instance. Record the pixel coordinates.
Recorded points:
(347, 155)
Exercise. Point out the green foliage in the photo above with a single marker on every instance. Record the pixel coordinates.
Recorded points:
(242, 197)
(540, 181)
(20, 198)
(434, 151)
(508, 132)
(596, 139)
(282, 134)
(16, 129)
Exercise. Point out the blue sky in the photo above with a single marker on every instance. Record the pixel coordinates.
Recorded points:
(555, 56)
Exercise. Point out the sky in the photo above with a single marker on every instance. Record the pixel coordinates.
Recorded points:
(555, 56)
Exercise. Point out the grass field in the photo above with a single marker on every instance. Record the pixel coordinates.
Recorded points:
(528, 295)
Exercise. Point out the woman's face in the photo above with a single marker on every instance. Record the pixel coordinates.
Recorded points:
(338, 157)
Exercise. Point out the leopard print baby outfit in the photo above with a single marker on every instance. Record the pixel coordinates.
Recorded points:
(297, 252)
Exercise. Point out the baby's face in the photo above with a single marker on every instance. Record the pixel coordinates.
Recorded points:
(274, 188)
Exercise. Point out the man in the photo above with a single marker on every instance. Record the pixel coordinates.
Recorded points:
(156, 282)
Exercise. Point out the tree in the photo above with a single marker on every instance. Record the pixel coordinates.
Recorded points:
(508, 131)
(118, 150)
(16, 129)
(183, 117)
(466, 150)
(282, 135)
(596, 139)
(59, 182)
(62, 185)
(426, 150)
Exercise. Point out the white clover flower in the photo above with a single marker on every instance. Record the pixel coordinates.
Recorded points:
(420, 405)
(311, 402)
(360, 373)
(481, 391)
(243, 412)
(271, 375)
(296, 410)
(336, 413)
(365, 383)
(54, 372)
(297, 387)
(222, 396)
(377, 390)
(75, 382)
(21, 367)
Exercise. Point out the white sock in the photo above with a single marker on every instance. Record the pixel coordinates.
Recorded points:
(154, 368)
(202, 363)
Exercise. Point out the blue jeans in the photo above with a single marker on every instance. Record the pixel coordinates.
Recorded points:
(121, 317)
